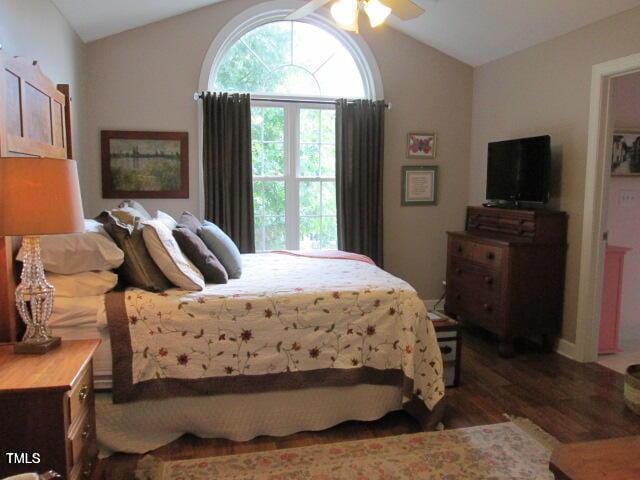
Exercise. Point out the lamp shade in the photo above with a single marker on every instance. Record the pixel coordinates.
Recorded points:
(39, 196)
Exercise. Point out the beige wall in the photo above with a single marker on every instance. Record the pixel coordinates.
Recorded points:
(36, 30)
(145, 78)
(545, 89)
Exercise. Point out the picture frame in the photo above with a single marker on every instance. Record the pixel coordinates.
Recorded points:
(419, 185)
(625, 153)
(143, 164)
(421, 146)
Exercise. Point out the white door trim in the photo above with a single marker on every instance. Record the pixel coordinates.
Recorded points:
(594, 215)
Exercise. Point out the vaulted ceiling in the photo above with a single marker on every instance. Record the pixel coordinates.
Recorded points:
(473, 31)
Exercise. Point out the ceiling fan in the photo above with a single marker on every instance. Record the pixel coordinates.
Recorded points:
(346, 12)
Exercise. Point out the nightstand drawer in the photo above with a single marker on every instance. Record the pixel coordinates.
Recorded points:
(82, 438)
(81, 394)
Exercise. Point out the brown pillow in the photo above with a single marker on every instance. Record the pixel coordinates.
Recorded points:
(189, 221)
(138, 270)
(196, 251)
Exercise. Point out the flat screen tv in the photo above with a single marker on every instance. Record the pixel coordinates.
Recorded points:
(518, 171)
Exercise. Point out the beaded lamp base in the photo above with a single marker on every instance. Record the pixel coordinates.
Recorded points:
(37, 348)
(34, 299)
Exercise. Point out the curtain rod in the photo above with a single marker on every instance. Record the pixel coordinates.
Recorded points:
(198, 96)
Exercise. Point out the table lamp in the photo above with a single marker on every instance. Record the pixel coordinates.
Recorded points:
(38, 196)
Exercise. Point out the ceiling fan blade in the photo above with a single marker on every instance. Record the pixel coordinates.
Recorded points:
(404, 9)
(307, 9)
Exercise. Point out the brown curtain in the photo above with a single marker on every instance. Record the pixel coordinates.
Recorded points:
(228, 183)
(359, 168)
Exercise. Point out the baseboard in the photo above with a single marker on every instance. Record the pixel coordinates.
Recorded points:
(566, 349)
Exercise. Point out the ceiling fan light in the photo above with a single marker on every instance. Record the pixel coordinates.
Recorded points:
(345, 13)
(377, 12)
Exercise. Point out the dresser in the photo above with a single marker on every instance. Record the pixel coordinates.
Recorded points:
(505, 273)
(47, 410)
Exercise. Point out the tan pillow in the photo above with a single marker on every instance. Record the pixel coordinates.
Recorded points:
(138, 270)
(167, 255)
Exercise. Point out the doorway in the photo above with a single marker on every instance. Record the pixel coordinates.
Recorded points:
(603, 123)
(619, 339)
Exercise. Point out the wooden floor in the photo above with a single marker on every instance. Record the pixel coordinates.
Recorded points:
(572, 401)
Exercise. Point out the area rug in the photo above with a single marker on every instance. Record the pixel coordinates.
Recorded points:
(513, 450)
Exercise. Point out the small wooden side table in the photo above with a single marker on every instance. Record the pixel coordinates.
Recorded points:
(615, 459)
(47, 410)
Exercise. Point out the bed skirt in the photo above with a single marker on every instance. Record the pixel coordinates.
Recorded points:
(145, 425)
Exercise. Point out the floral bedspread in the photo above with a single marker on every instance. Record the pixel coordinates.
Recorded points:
(289, 322)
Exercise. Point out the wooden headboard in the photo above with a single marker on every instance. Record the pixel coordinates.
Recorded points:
(35, 120)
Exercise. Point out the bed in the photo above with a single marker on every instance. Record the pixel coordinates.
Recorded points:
(296, 344)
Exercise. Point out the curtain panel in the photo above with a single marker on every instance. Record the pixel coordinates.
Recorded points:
(228, 181)
(359, 170)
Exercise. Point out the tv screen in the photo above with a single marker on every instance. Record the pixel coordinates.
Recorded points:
(518, 170)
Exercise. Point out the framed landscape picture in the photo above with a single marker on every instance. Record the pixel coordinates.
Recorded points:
(625, 157)
(419, 185)
(145, 164)
(421, 146)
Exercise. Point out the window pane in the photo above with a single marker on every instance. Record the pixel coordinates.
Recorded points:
(318, 228)
(293, 58)
(310, 233)
(310, 198)
(328, 161)
(328, 127)
(329, 233)
(329, 198)
(269, 211)
(309, 160)
(309, 126)
(267, 141)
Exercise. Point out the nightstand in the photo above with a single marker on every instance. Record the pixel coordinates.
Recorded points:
(47, 409)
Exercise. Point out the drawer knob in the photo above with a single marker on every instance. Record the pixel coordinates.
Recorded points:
(491, 255)
(459, 271)
(459, 248)
(86, 432)
(86, 471)
(84, 393)
(458, 296)
(488, 308)
(488, 280)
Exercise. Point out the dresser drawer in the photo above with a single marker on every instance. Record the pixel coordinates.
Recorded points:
(467, 276)
(483, 310)
(81, 394)
(516, 225)
(491, 256)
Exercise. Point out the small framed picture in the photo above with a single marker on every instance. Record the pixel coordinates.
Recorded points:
(145, 164)
(421, 146)
(625, 156)
(419, 185)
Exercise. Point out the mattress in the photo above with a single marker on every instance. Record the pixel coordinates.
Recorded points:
(84, 318)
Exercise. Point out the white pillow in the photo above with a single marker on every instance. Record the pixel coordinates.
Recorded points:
(166, 219)
(79, 252)
(167, 255)
(83, 284)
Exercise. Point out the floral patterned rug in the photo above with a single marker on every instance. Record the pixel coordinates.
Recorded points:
(513, 450)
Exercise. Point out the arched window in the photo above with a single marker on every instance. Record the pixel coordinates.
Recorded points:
(294, 71)
(290, 58)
